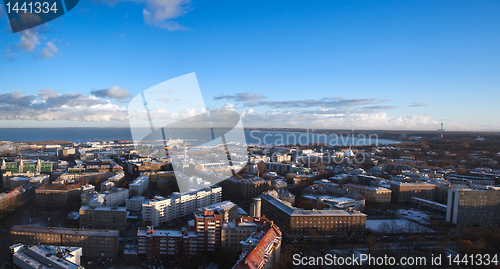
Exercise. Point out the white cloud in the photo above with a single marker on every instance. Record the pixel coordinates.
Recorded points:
(29, 40)
(50, 50)
(161, 13)
(228, 106)
(115, 92)
(368, 120)
(50, 105)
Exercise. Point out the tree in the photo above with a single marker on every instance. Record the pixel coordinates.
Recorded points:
(394, 226)
(384, 227)
(261, 167)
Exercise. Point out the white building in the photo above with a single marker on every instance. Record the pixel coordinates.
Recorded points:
(107, 185)
(113, 197)
(88, 188)
(140, 185)
(36, 180)
(40, 256)
(134, 203)
(161, 210)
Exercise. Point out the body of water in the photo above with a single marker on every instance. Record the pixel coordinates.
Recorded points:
(82, 135)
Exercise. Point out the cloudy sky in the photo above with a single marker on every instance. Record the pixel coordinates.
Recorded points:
(311, 64)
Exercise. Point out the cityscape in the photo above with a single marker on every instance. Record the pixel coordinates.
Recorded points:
(102, 204)
(187, 134)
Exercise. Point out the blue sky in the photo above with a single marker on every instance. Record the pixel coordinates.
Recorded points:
(316, 64)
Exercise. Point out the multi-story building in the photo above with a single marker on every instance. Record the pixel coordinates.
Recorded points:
(155, 177)
(155, 244)
(245, 188)
(161, 210)
(15, 198)
(283, 195)
(465, 179)
(135, 167)
(234, 232)
(58, 195)
(103, 217)
(139, 186)
(208, 225)
(441, 191)
(403, 191)
(94, 243)
(372, 194)
(480, 206)
(36, 180)
(117, 179)
(46, 256)
(262, 249)
(295, 222)
(6, 177)
(112, 197)
(23, 166)
(107, 185)
(134, 203)
(227, 209)
(85, 178)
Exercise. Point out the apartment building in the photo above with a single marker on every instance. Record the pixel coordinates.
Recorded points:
(403, 191)
(227, 209)
(479, 206)
(371, 194)
(262, 249)
(45, 256)
(15, 198)
(295, 221)
(157, 244)
(23, 166)
(160, 210)
(156, 176)
(117, 179)
(208, 225)
(234, 232)
(245, 188)
(58, 196)
(11, 180)
(103, 217)
(94, 243)
(134, 203)
(139, 186)
(112, 197)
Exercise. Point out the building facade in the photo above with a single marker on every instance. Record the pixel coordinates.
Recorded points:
(103, 217)
(403, 191)
(467, 206)
(161, 210)
(296, 222)
(58, 196)
(371, 194)
(94, 243)
(46, 256)
(139, 186)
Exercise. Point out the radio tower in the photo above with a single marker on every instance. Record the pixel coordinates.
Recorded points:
(440, 131)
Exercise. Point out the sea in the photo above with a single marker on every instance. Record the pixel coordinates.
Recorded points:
(254, 136)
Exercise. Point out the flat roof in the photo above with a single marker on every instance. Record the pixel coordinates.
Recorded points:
(67, 231)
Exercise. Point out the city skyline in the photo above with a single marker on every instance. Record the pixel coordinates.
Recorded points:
(328, 65)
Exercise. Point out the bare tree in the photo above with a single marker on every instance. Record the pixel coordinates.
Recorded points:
(384, 227)
(261, 167)
(394, 226)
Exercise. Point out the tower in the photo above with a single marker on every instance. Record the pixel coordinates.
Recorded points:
(440, 131)
(38, 166)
